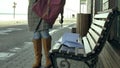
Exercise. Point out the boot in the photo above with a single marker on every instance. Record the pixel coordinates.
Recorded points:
(47, 47)
(38, 52)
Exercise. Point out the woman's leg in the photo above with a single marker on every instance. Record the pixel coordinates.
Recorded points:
(37, 49)
(46, 38)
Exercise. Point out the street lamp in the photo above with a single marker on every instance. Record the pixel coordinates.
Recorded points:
(14, 6)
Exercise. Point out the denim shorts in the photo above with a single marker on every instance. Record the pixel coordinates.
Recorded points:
(41, 34)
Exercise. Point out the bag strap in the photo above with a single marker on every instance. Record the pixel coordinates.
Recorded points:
(38, 25)
(46, 13)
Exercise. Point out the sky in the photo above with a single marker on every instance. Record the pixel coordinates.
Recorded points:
(71, 7)
(6, 6)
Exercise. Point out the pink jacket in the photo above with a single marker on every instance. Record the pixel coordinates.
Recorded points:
(49, 9)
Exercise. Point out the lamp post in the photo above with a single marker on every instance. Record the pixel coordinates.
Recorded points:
(14, 6)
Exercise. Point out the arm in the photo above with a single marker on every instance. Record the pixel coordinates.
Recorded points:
(61, 20)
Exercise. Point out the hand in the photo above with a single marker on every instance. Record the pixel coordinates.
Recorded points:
(61, 21)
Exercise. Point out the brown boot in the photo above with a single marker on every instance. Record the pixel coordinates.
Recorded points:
(47, 47)
(38, 52)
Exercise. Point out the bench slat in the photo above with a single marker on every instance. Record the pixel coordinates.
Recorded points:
(57, 46)
(94, 35)
(87, 47)
(71, 51)
(99, 22)
(67, 50)
(96, 28)
(102, 15)
(63, 49)
(91, 41)
(80, 51)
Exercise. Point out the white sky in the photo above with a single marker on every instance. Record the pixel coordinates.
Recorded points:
(6, 6)
(71, 7)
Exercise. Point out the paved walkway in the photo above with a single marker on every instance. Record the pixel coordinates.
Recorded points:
(24, 57)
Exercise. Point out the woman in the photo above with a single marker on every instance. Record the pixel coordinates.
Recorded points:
(41, 36)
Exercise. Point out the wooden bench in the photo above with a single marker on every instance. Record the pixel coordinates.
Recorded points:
(93, 42)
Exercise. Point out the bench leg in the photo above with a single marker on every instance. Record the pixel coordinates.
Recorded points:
(92, 63)
(53, 61)
(65, 64)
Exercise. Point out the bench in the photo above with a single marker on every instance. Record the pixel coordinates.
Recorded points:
(93, 42)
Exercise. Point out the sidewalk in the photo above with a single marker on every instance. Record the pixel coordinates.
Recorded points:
(12, 23)
(24, 58)
(24, 22)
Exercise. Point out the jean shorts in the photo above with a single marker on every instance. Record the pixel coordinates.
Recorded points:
(41, 34)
